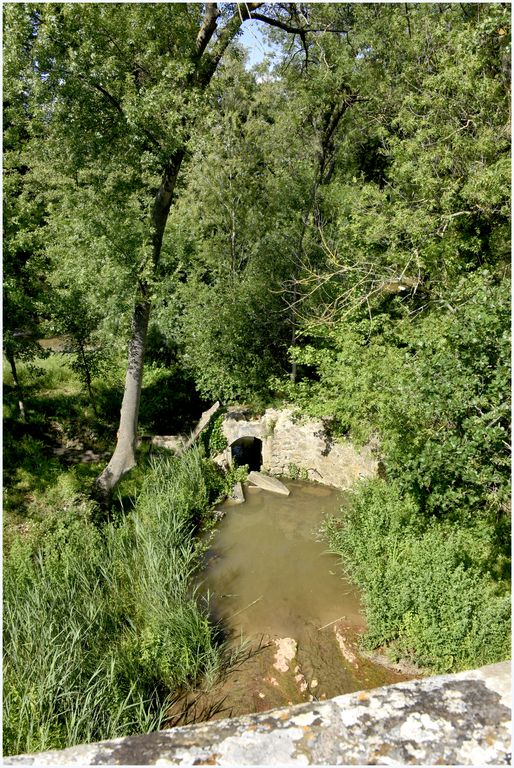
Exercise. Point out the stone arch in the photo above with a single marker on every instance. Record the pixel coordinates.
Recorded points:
(247, 450)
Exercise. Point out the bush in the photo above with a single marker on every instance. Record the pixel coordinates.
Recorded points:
(436, 390)
(427, 587)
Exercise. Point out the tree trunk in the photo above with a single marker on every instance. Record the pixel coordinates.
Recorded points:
(17, 384)
(87, 376)
(124, 456)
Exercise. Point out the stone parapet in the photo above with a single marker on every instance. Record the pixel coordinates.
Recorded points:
(461, 719)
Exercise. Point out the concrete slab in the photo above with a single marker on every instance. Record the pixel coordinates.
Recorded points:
(462, 719)
(268, 483)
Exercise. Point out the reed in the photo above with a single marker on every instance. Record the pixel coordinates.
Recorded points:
(102, 627)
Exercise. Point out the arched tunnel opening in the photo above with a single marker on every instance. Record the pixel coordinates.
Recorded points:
(247, 450)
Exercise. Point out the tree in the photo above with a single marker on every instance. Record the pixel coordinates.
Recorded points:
(119, 90)
(409, 321)
(421, 186)
(231, 238)
(246, 221)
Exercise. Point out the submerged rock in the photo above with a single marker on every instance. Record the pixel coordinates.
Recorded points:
(344, 647)
(286, 652)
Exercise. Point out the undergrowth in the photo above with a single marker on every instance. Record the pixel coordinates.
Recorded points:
(433, 591)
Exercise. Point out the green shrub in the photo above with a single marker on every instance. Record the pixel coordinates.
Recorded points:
(427, 587)
(296, 473)
(436, 389)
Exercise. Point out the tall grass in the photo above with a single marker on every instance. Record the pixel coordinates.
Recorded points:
(102, 629)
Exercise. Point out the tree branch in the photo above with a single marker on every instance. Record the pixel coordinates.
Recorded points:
(226, 35)
(292, 29)
(117, 106)
(208, 27)
(110, 98)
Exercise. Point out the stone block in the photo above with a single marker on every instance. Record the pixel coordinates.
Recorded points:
(238, 493)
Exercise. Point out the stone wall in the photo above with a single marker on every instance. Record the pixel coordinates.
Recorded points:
(290, 444)
(462, 719)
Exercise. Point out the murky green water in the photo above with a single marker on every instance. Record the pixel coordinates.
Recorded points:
(272, 581)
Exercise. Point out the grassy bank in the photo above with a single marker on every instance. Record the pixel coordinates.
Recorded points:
(102, 630)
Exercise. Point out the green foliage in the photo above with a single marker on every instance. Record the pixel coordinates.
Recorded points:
(231, 345)
(101, 628)
(234, 474)
(213, 438)
(436, 388)
(430, 549)
(297, 473)
(24, 289)
(430, 590)
(235, 230)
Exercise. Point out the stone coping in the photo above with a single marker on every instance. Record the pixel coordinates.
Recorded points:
(460, 719)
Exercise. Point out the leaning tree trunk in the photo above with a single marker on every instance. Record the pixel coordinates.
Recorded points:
(124, 456)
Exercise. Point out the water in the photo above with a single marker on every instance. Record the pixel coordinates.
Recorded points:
(272, 582)
(269, 573)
